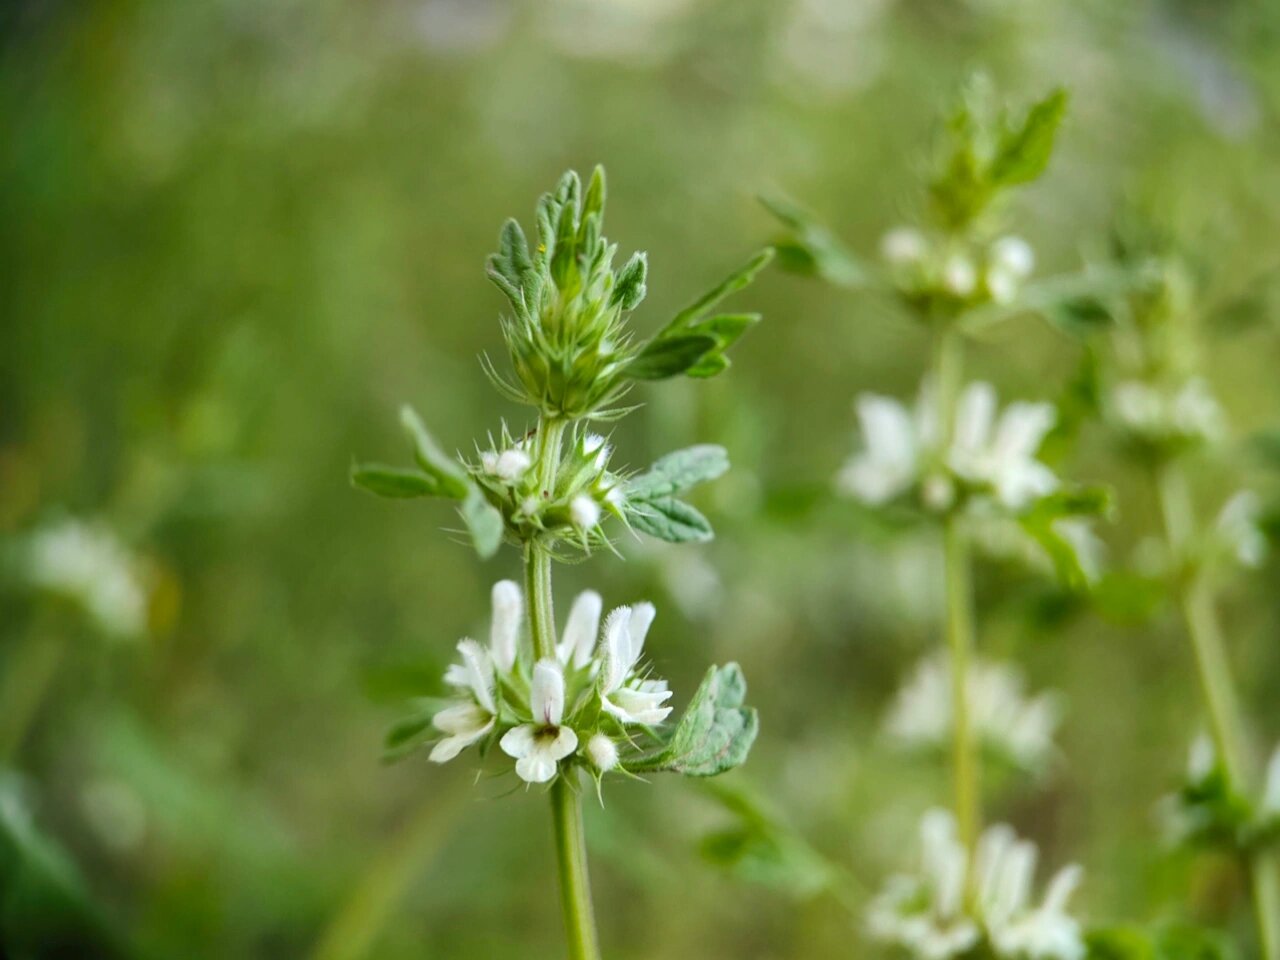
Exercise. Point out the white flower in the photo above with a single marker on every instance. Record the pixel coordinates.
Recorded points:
(1019, 727)
(580, 629)
(89, 565)
(1001, 453)
(1002, 285)
(1159, 413)
(504, 629)
(470, 720)
(903, 246)
(894, 443)
(1014, 256)
(508, 466)
(1237, 527)
(623, 694)
(602, 752)
(584, 511)
(925, 913)
(539, 746)
(959, 276)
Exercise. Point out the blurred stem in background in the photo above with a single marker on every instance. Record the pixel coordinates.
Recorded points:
(947, 369)
(354, 929)
(1196, 600)
(566, 801)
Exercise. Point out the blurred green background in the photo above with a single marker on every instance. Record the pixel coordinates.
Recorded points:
(237, 235)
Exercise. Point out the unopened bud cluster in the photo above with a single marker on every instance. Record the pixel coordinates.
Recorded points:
(931, 270)
(569, 507)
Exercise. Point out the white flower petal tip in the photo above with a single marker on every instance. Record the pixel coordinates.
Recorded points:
(546, 693)
(602, 752)
(903, 246)
(465, 723)
(538, 750)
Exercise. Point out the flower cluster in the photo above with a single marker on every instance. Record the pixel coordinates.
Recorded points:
(987, 456)
(1166, 416)
(571, 507)
(930, 915)
(588, 703)
(1019, 729)
(88, 565)
(1208, 809)
(930, 269)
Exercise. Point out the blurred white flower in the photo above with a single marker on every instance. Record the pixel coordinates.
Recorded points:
(88, 565)
(580, 630)
(1237, 528)
(1001, 452)
(959, 276)
(1270, 806)
(904, 246)
(539, 746)
(990, 452)
(1160, 414)
(925, 913)
(1018, 727)
(1014, 256)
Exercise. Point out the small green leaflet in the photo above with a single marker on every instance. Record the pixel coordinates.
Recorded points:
(1024, 151)
(716, 732)
(484, 521)
(394, 482)
(669, 519)
(453, 480)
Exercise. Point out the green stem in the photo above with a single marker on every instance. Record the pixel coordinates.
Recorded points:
(947, 362)
(566, 802)
(965, 758)
(575, 885)
(1196, 600)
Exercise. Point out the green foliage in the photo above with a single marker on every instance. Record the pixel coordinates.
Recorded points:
(988, 152)
(651, 504)
(716, 732)
(1043, 524)
(811, 249)
(693, 343)
(1164, 942)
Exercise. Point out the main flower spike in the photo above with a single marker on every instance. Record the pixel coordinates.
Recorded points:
(930, 915)
(584, 702)
(595, 704)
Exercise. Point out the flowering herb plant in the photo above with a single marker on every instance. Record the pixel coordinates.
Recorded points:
(585, 701)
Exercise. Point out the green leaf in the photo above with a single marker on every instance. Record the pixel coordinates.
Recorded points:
(1023, 153)
(813, 250)
(734, 282)
(669, 357)
(394, 482)
(669, 519)
(484, 521)
(452, 478)
(1041, 524)
(679, 471)
(716, 732)
(407, 733)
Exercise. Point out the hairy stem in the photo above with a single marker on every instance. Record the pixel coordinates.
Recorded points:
(1199, 611)
(566, 803)
(946, 369)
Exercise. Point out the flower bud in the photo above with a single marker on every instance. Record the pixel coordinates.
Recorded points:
(1014, 255)
(584, 512)
(958, 276)
(903, 246)
(511, 465)
(602, 752)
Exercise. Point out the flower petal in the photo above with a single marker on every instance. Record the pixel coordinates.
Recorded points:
(546, 693)
(479, 672)
(975, 412)
(535, 768)
(580, 629)
(642, 615)
(450, 747)
(616, 644)
(504, 631)
(518, 741)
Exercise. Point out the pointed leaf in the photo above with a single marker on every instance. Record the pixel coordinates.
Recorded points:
(669, 519)
(1024, 152)
(484, 521)
(394, 482)
(731, 284)
(453, 479)
(668, 357)
(813, 250)
(629, 287)
(679, 471)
